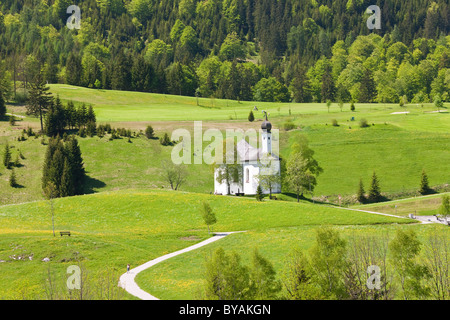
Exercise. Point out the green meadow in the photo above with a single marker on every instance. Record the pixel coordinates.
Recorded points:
(111, 229)
(130, 216)
(182, 277)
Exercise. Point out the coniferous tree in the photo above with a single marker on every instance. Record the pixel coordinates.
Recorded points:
(149, 132)
(66, 188)
(361, 193)
(7, 157)
(39, 98)
(251, 117)
(374, 191)
(73, 69)
(13, 179)
(76, 163)
(259, 193)
(424, 186)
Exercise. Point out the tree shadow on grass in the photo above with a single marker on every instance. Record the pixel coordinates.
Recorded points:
(91, 185)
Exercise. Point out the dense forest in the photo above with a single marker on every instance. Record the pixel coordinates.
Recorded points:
(264, 50)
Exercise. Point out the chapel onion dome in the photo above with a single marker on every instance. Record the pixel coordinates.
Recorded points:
(266, 126)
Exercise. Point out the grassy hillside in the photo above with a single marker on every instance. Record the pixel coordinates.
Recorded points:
(420, 206)
(112, 229)
(396, 146)
(182, 277)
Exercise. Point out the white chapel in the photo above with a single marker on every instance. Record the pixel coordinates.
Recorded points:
(250, 158)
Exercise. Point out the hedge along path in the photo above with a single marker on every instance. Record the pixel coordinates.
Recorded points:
(127, 280)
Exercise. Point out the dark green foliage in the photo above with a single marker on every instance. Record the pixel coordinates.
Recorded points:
(63, 168)
(165, 140)
(374, 191)
(149, 132)
(259, 194)
(251, 116)
(7, 157)
(39, 98)
(158, 46)
(13, 179)
(91, 129)
(361, 195)
(424, 185)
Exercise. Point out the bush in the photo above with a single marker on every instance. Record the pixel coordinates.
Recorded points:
(165, 140)
(334, 123)
(149, 132)
(352, 107)
(363, 123)
(288, 125)
(251, 116)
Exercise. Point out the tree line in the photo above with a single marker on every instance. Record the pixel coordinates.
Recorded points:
(233, 49)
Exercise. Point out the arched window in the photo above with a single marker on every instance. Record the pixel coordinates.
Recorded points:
(247, 175)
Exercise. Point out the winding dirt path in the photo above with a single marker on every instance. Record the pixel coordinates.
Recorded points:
(127, 280)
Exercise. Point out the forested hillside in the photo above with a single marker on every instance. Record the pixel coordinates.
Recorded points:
(264, 50)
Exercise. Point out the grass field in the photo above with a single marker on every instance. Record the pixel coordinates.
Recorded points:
(421, 206)
(397, 146)
(129, 216)
(112, 229)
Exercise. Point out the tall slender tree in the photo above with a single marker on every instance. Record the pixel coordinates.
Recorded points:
(39, 99)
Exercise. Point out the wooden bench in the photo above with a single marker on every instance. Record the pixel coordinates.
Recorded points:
(64, 233)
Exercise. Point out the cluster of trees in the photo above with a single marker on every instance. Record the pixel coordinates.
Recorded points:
(60, 117)
(363, 267)
(63, 170)
(11, 165)
(374, 193)
(236, 49)
(377, 69)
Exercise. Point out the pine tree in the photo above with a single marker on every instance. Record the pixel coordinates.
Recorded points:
(374, 192)
(13, 179)
(73, 69)
(149, 132)
(251, 116)
(361, 193)
(77, 166)
(7, 157)
(259, 194)
(66, 188)
(424, 186)
(39, 99)
(165, 140)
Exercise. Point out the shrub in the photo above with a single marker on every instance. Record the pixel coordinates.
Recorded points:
(363, 123)
(259, 194)
(334, 123)
(352, 107)
(288, 125)
(251, 116)
(165, 140)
